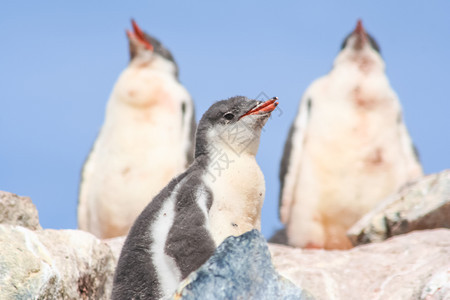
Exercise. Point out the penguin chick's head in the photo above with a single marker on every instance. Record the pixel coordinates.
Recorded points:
(360, 48)
(234, 124)
(358, 39)
(146, 49)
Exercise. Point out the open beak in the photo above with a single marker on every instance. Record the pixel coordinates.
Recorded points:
(361, 35)
(138, 35)
(262, 108)
(359, 28)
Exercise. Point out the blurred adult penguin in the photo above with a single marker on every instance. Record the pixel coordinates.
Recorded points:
(146, 139)
(347, 149)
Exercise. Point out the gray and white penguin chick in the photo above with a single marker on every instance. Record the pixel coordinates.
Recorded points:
(147, 138)
(347, 149)
(219, 195)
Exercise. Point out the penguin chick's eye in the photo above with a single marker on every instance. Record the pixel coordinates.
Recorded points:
(228, 116)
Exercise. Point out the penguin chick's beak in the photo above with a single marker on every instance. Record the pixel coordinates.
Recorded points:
(262, 108)
(137, 35)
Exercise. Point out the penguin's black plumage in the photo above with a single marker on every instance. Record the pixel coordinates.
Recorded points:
(188, 242)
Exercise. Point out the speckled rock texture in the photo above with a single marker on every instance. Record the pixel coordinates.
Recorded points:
(241, 268)
(72, 264)
(421, 205)
(53, 264)
(411, 266)
(16, 210)
(116, 244)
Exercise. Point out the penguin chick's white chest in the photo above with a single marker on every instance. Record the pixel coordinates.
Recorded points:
(141, 146)
(238, 189)
(356, 151)
(357, 118)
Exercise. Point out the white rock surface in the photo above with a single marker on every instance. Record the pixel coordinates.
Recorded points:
(410, 266)
(72, 264)
(53, 264)
(421, 205)
(116, 245)
(438, 287)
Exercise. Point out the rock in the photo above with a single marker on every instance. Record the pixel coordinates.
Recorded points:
(240, 268)
(438, 287)
(115, 244)
(16, 210)
(411, 266)
(53, 264)
(279, 237)
(422, 205)
(72, 264)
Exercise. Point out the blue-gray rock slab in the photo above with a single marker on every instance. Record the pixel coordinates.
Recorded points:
(241, 268)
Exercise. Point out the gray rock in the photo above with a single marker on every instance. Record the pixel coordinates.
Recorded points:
(53, 264)
(410, 266)
(279, 237)
(421, 205)
(16, 210)
(241, 268)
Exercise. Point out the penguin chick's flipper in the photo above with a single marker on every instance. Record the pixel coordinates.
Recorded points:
(291, 159)
(168, 241)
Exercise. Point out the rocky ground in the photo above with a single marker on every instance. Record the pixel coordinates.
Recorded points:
(402, 252)
(410, 266)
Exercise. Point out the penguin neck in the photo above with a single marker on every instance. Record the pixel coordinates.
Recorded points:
(238, 189)
(155, 62)
(146, 88)
(364, 61)
(145, 107)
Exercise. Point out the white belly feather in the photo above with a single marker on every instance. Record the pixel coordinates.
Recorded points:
(354, 154)
(238, 196)
(139, 149)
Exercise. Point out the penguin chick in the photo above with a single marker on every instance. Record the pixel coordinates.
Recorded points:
(180, 229)
(146, 139)
(347, 149)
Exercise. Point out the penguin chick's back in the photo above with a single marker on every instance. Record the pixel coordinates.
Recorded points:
(168, 241)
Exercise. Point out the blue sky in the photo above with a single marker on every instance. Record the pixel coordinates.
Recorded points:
(59, 61)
